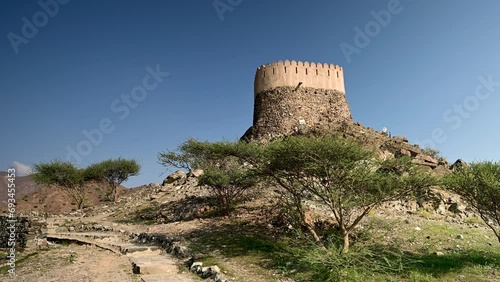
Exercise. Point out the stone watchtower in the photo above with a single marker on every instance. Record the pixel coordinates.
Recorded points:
(290, 96)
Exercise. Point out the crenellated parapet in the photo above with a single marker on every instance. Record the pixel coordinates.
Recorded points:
(293, 96)
(292, 73)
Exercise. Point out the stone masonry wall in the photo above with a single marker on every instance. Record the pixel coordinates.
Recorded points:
(284, 110)
(28, 231)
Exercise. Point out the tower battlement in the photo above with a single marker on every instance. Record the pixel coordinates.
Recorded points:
(291, 73)
(290, 96)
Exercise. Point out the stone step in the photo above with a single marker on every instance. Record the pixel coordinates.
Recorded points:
(91, 234)
(166, 278)
(146, 260)
(152, 262)
(127, 248)
(85, 240)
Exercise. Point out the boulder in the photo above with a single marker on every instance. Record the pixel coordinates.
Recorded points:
(441, 169)
(404, 152)
(154, 185)
(443, 162)
(458, 164)
(196, 172)
(401, 138)
(176, 176)
(196, 266)
(426, 160)
(385, 154)
(210, 271)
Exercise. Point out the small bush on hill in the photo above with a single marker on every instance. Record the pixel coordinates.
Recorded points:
(479, 185)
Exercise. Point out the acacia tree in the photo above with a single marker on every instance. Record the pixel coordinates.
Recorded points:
(224, 171)
(227, 182)
(187, 156)
(113, 172)
(340, 175)
(65, 175)
(479, 185)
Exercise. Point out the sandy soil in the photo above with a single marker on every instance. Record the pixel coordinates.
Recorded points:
(76, 264)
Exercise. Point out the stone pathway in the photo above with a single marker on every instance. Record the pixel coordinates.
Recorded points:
(147, 261)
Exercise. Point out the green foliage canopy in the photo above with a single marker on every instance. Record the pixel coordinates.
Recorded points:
(63, 174)
(340, 175)
(113, 172)
(479, 185)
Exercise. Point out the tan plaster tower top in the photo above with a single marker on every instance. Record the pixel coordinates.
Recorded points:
(292, 73)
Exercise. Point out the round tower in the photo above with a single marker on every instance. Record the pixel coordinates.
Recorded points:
(291, 95)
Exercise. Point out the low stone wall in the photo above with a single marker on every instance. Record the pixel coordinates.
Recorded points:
(171, 245)
(28, 232)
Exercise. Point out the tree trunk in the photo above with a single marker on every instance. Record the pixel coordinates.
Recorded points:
(345, 248)
(486, 220)
(313, 233)
(110, 195)
(315, 236)
(77, 196)
(115, 194)
(496, 233)
(80, 203)
(306, 224)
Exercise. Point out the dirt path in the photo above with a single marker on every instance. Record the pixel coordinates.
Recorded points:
(148, 262)
(75, 263)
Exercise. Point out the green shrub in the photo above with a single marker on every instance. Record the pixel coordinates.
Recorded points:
(433, 153)
(479, 185)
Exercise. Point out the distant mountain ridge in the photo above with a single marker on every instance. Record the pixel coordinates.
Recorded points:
(34, 197)
(24, 185)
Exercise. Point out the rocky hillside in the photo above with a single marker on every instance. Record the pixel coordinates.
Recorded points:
(384, 144)
(33, 197)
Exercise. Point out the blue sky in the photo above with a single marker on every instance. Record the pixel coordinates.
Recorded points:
(428, 70)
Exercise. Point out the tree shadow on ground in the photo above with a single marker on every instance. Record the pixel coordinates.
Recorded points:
(281, 251)
(180, 210)
(453, 262)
